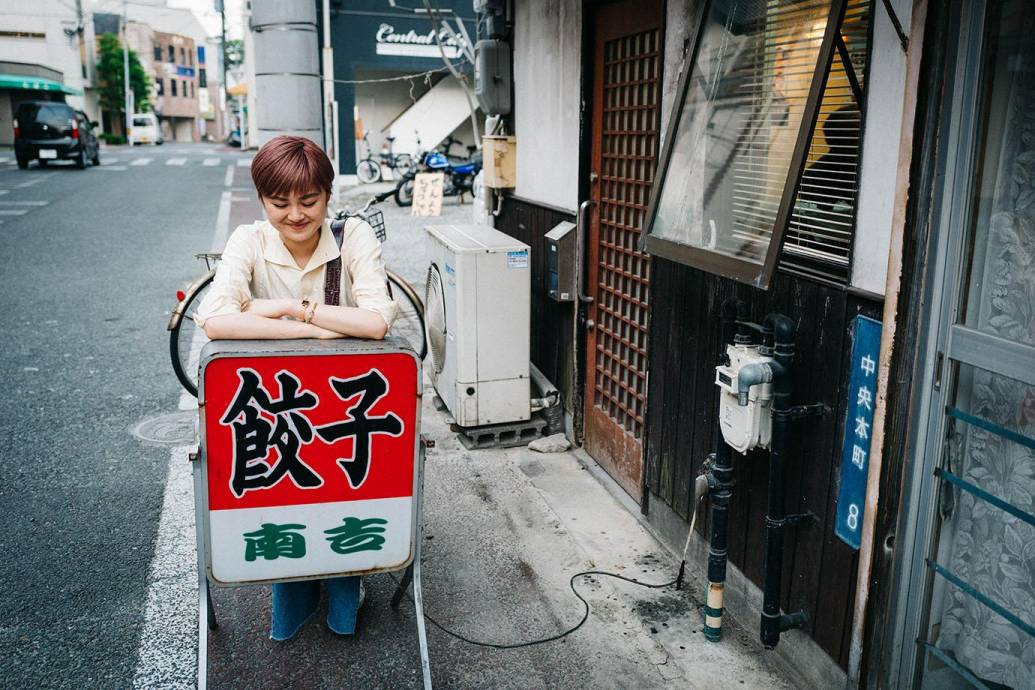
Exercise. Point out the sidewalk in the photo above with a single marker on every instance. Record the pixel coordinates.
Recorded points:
(504, 532)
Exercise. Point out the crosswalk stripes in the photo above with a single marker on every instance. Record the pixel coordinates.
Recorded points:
(114, 168)
(244, 162)
(141, 161)
(19, 208)
(176, 161)
(209, 162)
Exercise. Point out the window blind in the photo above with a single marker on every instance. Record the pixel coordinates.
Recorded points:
(819, 237)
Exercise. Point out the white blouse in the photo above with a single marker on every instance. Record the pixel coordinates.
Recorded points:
(256, 265)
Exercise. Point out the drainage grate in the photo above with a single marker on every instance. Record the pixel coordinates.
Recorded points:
(173, 429)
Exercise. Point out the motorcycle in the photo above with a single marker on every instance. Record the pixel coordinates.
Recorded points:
(458, 178)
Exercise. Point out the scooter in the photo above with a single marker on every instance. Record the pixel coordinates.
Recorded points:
(459, 178)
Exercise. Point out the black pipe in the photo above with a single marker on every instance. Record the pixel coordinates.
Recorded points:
(774, 621)
(720, 481)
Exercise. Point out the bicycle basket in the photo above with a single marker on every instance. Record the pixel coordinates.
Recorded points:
(376, 219)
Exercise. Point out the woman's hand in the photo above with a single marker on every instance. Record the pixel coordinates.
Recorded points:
(273, 308)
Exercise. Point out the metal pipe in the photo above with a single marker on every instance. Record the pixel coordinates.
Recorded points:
(774, 622)
(720, 491)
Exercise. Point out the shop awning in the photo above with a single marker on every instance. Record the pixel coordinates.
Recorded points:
(20, 81)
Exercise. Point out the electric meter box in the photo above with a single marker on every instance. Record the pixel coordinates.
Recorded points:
(492, 76)
(499, 157)
(744, 426)
(560, 262)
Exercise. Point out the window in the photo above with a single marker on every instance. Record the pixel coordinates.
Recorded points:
(158, 53)
(202, 78)
(821, 232)
(184, 88)
(183, 56)
(738, 138)
(191, 89)
(172, 54)
(172, 87)
(159, 86)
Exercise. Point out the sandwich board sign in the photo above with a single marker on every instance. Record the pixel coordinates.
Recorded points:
(310, 463)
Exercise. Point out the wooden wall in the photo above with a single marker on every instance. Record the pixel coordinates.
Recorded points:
(819, 569)
(551, 349)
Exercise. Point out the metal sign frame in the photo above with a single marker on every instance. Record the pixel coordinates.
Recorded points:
(216, 350)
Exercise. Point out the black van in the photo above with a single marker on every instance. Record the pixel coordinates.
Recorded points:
(48, 130)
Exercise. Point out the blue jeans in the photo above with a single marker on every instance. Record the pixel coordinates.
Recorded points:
(295, 602)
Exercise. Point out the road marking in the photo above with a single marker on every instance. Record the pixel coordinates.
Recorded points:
(141, 161)
(35, 180)
(4, 191)
(168, 653)
(228, 179)
(244, 162)
(114, 168)
(209, 162)
(13, 211)
(22, 203)
(176, 161)
(4, 159)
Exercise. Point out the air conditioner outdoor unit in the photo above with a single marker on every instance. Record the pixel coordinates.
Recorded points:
(477, 319)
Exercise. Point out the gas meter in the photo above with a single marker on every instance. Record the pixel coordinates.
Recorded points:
(744, 417)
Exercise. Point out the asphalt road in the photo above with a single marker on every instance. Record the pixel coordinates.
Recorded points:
(91, 262)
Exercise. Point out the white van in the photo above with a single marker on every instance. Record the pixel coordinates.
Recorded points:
(144, 129)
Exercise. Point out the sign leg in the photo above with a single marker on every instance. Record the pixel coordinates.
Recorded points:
(206, 617)
(404, 583)
(414, 569)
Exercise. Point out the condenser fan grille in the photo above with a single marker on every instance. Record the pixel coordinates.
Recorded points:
(435, 317)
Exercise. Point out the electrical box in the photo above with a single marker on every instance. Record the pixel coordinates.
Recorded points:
(492, 76)
(499, 160)
(745, 423)
(560, 262)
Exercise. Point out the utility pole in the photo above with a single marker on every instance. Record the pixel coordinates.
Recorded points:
(80, 28)
(226, 93)
(125, 66)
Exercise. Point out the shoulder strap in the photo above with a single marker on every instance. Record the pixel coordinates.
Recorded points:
(332, 277)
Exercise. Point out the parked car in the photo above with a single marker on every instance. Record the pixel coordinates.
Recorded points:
(49, 130)
(144, 129)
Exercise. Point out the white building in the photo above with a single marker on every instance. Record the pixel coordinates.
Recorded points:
(46, 52)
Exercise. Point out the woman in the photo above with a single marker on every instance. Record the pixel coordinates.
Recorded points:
(272, 282)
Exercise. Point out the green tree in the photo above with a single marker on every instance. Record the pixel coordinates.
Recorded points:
(109, 75)
(234, 54)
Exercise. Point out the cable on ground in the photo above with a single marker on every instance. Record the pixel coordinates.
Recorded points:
(552, 638)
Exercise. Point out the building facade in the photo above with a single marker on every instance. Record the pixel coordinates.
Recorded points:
(44, 55)
(849, 165)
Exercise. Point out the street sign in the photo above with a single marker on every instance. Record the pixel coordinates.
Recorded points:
(855, 453)
(309, 462)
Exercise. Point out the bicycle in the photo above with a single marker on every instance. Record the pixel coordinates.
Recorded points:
(368, 170)
(186, 338)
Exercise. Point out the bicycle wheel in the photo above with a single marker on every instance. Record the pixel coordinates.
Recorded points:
(186, 340)
(404, 192)
(409, 319)
(403, 164)
(368, 171)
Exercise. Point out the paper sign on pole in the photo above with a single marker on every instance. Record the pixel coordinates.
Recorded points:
(310, 461)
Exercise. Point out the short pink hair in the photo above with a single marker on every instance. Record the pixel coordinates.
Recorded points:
(288, 164)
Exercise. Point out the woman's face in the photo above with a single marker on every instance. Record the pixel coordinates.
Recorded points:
(297, 216)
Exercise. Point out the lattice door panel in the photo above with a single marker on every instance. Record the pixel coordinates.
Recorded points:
(625, 145)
